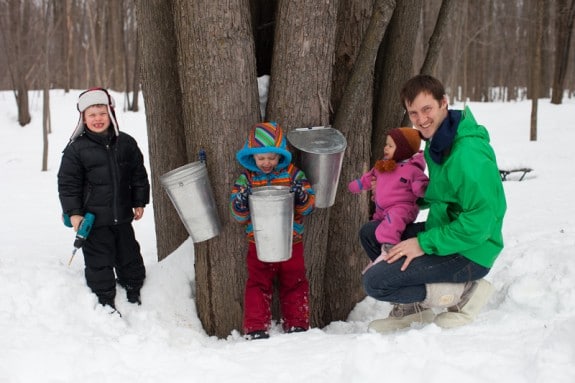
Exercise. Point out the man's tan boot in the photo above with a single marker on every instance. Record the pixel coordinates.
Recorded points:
(474, 297)
(402, 316)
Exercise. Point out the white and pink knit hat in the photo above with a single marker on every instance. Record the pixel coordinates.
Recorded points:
(91, 97)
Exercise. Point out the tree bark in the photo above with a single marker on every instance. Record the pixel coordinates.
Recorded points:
(354, 120)
(566, 16)
(394, 68)
(447, 10)
(536, 65)
(164, 114)
(299, 96)
(46, 91)
(220, 100)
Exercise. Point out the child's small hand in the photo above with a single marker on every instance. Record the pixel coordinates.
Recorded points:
(76, 220)
(138, 213)
(300, 193)
(242, 198)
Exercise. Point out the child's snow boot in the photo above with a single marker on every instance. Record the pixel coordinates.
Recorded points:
(132, 290)
(133, 295)
(107, 299)
(474, 297)
(259, 334)
(402, 316)
(293, 329)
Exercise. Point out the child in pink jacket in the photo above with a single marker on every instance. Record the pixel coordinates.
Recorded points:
(398, 181)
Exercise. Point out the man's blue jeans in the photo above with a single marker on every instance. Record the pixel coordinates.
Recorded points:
(386, 282)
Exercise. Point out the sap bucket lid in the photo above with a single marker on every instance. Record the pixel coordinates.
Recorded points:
(317, 140)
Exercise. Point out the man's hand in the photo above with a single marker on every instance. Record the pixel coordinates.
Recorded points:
(409, 249)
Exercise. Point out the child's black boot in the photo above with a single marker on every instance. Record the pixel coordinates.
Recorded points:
(132, 290)
(260, 334)
(133, 296)
(107, 299)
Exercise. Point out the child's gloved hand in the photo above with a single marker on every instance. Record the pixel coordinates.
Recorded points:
(300, 193)
(241, 201)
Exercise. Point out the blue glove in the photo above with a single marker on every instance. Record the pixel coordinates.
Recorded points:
(300, 193)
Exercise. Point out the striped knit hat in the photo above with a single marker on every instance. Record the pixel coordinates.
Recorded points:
(265, 137)
(91, 97)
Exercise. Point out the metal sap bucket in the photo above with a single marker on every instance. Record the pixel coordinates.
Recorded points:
(271, 210)
(191, 194)
(321, 153)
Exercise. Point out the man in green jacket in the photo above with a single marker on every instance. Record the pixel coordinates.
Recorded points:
(442, 261)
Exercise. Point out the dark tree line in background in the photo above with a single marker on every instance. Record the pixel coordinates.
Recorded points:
(329, 62)
(485, 52)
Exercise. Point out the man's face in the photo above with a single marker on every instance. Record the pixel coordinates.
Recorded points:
(426, 113)
(97, 118)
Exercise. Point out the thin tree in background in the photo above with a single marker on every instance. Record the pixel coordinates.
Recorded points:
(566, 18)
(46, 88)
(14, 27)
(447, 10)
(536, 66)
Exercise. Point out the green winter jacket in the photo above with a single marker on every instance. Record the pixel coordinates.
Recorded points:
(465, 198)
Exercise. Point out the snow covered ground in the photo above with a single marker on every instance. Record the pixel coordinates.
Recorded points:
(52, 330)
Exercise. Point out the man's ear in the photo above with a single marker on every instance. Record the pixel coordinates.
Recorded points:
(444, 102)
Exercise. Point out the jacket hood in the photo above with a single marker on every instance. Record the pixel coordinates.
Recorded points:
(265, 137)
(469, 127)
(418, 160)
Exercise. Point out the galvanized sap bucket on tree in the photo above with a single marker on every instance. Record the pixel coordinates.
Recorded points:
(321, 150)
(191, 194)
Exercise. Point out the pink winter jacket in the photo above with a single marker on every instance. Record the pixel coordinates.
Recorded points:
(402, 186)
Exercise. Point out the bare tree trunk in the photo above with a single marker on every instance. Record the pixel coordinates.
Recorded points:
(136, 81)
(164, 114)
(46, 91)
(447, 10)
(354, 120)
(115, 36)
(393, 69)
(92, 30)
(457, 55)
(220, 102)
(353, 18)
(299, 96)
(536, 65)
(566, 16)
(15, 38)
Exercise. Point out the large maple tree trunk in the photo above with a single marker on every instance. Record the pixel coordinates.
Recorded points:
(220, 98)
(358, 44)
(299, 95)
(164, 116)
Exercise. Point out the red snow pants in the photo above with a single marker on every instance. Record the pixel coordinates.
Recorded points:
(293, 291)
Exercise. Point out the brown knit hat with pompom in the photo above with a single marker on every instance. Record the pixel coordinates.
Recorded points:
(407, 142)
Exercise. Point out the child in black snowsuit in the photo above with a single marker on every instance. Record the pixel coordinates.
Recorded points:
(102, 172)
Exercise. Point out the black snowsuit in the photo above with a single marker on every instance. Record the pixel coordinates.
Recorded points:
(105, 175)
